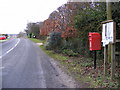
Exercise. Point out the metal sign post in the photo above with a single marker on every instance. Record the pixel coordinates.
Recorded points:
(95, 59)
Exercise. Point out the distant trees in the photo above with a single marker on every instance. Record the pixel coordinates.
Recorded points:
(21, 34)
(60, 21)
(33, 29)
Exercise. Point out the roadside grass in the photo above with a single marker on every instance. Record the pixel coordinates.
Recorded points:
(82, 70)
(54, 55)
(36, 40)
(49, 52)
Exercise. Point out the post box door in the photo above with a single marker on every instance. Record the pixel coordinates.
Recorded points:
(94, 41)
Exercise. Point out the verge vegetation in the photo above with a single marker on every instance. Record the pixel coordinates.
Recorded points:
(81, 69)
(36, 40)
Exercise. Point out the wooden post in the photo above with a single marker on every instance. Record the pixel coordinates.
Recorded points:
(112, 60)
(105, 59)
(109, 10)
(109, 17)
(113, 53)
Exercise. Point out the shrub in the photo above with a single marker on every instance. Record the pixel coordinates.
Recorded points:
(69, 52)
(53, 41)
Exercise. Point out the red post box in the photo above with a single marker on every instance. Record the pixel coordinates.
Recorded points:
(94, 41)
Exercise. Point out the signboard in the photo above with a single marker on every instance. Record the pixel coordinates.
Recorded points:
(108, 33)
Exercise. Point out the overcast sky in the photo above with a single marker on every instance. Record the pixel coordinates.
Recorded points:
(15, 14)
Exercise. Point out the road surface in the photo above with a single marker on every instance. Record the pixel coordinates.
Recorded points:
(25, 65)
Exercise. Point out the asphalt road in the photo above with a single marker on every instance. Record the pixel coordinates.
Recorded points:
(25, 65)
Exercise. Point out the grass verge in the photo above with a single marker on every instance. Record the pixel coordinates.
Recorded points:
(36, 40)
(54, 55)
(81, 69)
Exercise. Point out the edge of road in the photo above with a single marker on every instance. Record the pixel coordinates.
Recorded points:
(66, 78)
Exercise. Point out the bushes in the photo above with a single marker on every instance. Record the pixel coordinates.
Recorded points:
(75, 47)
(87, 19)
(69, 52)
(59, 45)
(53, 41)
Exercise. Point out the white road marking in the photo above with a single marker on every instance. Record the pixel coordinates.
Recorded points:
(2, 67)
(10, 49)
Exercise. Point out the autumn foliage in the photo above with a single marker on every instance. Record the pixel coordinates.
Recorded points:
(75, 20)
(60, 20)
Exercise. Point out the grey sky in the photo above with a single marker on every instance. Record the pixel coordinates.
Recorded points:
(15, 14)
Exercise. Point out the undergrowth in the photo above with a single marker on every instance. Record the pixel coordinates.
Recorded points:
(82, 70)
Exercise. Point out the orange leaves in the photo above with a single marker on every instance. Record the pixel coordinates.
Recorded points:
(60, 20)
(56, 26)
(69, 32)
(45, 28)
(49, 26)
